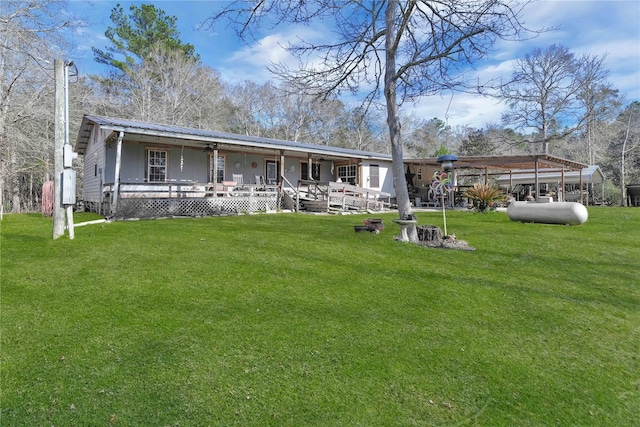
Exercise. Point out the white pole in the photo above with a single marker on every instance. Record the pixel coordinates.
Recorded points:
(58, 210)
(444, 215)
(116, 179)
(69, 208)
(70, 221)
(66, 104)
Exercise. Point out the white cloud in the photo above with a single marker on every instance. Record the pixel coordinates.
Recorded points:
(250, 62)
(461, 110)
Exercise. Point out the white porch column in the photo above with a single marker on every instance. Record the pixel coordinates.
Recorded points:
(537, 181)
(214, 172)
(281, 167)
(582, 198)
(116, 178)
(561, 192)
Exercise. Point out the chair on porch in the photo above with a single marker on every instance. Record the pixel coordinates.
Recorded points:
(238, 178)
(260, 183)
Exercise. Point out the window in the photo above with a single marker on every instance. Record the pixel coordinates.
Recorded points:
(419, 174)
(347, 173)
(304, 171)
(220, 169)
(374, 176)
(157, 165)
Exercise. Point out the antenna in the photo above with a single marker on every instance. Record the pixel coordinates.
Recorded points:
(446, 114)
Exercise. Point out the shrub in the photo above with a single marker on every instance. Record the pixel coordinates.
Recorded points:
(484, 196)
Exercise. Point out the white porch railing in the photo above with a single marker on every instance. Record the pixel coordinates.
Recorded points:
(338, 196)
(152, 200)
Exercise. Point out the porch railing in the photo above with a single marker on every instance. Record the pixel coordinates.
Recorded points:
(152, 200)
(329, 196)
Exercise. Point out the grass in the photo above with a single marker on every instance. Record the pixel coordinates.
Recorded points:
(295, 320)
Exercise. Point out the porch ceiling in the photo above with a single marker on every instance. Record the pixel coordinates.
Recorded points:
(222, 146)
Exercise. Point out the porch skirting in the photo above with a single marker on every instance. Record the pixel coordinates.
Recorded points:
(163, 207)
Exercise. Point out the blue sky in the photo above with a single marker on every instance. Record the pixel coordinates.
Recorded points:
(601, 27)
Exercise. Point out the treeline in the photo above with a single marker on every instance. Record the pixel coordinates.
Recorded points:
(150, 75)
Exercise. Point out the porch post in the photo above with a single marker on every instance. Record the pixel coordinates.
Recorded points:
(214, 178)
(116, 179)
(510, 182)
(309, 167)
(582, 199)
(561, 189)
(537, 182)
(281, 172)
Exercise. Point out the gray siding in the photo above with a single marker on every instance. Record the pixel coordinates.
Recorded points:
(94, 161)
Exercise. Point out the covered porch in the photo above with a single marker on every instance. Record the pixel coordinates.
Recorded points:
(136, 169)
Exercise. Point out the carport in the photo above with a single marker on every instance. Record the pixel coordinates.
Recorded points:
(590, 176)
(533, 166)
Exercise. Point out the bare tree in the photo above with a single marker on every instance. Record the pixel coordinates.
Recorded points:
(169, 87)
(248, 107)
(599, 101)
(362, 130)
(154, 76)
(625, 147)
(280, 112)
(542, 93)
(399, 50)
(424, 138)
(30, 32)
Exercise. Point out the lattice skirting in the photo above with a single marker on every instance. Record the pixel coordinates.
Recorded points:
(156, 208)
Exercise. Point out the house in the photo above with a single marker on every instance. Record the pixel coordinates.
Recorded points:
(138, 169)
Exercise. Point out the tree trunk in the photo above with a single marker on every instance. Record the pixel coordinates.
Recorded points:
(393, 121)
(9, 167)
(623, 192)
(14, 181)
(30, 198)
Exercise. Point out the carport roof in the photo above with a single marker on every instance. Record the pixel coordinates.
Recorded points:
(590, 174)
(507, 163)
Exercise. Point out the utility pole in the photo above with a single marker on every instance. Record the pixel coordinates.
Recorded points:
(65, 177)
(58, 153)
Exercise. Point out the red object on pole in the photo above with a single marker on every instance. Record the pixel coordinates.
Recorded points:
(48, 197)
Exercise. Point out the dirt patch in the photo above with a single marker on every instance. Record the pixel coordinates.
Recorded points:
(432, 237)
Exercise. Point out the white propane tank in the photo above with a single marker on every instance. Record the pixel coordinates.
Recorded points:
(569, 213)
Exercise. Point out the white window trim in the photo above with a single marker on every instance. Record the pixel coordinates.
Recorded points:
(223, 170)
(165, 166)
(345, 177)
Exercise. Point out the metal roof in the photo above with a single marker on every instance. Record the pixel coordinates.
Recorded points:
(590, 174)
(526, 161)
(179, 135)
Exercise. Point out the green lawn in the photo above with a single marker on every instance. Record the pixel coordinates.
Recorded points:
(295, 320)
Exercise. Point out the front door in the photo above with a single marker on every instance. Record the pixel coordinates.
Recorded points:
(272, 172)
